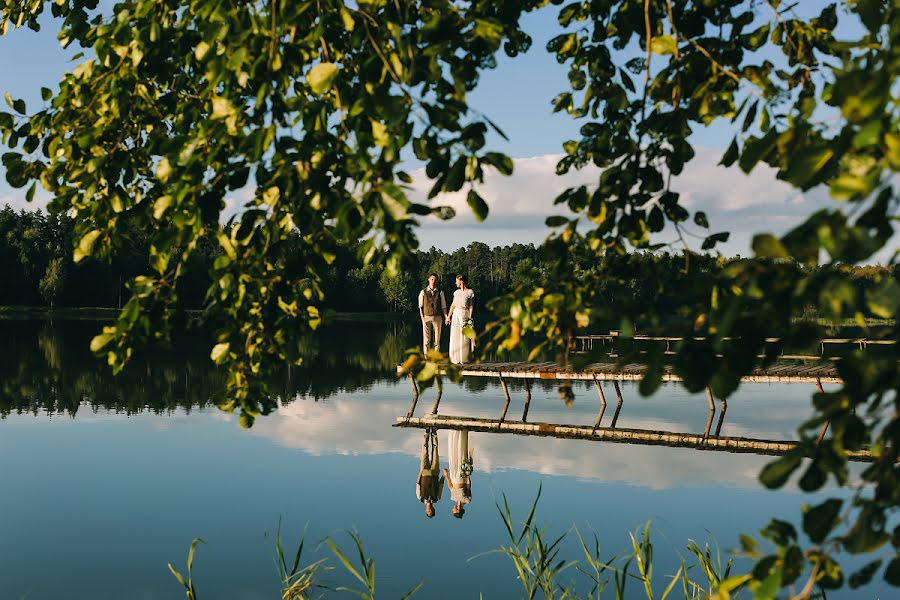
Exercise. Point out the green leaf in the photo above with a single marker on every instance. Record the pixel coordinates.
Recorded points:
(501, 162)
(805, 164)
(700, 219)
(219, 352)
(766, 245)
(711, 241)
(164, 170)
(100, 341)
(321, 76)
(46, 93)
(160, 206)
(380, 134)
(776, 473)
(780, 532)
(556, 221)
(819, 520)
(347, 19)
(478, 205)
(394, 201)
(867, 534)
(870, 13)
(864, 574)
(85, 246)
(756, 149)
(663, 44)
(456, 176)
(892, 572)
(202, 50)
(884, 299)
(731, 154)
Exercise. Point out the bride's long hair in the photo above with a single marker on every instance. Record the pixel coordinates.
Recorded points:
(462, 278)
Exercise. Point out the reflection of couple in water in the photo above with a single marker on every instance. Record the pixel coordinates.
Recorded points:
(430, 483)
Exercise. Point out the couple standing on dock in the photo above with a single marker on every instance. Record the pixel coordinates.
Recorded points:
(434, 313)
(430, 483)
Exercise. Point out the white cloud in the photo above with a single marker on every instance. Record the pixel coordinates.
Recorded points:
(733, 201)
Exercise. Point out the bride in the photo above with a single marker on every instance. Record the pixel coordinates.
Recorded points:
(460, 311)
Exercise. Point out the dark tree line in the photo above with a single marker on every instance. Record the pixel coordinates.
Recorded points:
(36, 269)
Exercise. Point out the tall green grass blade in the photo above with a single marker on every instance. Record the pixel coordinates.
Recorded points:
(413, 590)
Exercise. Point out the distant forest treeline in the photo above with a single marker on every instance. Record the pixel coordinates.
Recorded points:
(36, 269)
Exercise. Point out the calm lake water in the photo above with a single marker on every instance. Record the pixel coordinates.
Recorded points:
(106, 480)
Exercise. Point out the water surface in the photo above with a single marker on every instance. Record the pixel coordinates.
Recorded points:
(106, 480)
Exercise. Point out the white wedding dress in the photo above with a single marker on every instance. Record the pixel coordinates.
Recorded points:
(460, 345)
(459, 453)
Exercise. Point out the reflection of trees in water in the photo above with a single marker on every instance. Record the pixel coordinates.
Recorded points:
(47, 367)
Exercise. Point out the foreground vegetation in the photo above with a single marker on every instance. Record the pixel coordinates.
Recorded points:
(539, 566)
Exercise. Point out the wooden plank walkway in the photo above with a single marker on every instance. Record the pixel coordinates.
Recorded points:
(776, 373)
(609, 434)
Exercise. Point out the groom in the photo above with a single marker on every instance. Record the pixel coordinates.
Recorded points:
(433, 310)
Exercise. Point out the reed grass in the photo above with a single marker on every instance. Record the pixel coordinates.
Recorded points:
(540, 567)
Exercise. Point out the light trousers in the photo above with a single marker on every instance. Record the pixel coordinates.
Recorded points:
(431, 332)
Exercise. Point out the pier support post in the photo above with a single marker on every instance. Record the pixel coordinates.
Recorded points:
(712, 413)
(527, 400)
(415, 388)
(721, 417)
(825, 425)
(602, 405)
(505, 393)
(440, 392)
(619, 402)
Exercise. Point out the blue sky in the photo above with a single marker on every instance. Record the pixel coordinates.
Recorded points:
(517, 97)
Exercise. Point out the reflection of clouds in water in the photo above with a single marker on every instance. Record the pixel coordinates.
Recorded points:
(342, 425)
(360, 425)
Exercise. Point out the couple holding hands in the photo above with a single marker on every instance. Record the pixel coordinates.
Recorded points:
(434, 313)
(430, 483)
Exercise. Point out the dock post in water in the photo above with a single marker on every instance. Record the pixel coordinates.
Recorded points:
(712, 412)
(527, 400)
(440, 392)
(505, 393)
(415, 388)
(619, 402)
(825, 426)
(602, 405)
(724, 403)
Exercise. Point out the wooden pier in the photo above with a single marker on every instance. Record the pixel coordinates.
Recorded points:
(611, 434)
(777, 373)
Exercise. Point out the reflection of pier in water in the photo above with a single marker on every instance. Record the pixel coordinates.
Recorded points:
(609, 372)
(610, 434)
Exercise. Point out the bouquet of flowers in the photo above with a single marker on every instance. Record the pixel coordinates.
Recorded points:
(468, 329)
(466, 468)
